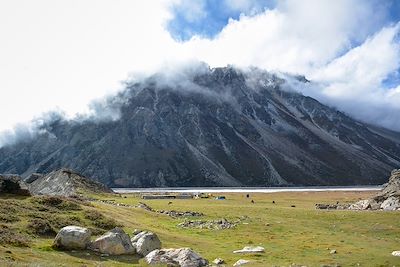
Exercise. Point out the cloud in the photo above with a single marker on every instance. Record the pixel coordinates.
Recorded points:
(346, 46)
(63, 54)
(354, 82)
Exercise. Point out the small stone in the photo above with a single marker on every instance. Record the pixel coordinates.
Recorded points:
(250, 250)
(241, 262)
(396, 253)
(333, 251)
(136, 231)
(218, 261)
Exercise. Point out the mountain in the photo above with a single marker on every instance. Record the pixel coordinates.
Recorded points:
(212, 127)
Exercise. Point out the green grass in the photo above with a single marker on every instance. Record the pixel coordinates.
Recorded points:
(300, 235)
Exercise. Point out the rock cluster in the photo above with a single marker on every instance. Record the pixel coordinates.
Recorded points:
(212, 224)
(172, 213)
(117, 242)
(387, 199)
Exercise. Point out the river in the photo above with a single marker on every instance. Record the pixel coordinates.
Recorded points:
(245, 189)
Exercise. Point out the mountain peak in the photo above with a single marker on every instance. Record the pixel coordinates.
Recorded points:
(213, 127)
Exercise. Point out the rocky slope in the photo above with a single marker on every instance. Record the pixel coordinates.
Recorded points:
(64, 182)
(387, 199)
(213, 127)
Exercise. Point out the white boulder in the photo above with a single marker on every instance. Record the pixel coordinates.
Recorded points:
(182, 257)
(114, 242)
(146, 243)
(72, 237)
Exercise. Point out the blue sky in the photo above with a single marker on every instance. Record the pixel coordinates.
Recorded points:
(212, 17)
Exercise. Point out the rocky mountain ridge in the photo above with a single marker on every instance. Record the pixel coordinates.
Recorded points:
(213, 127)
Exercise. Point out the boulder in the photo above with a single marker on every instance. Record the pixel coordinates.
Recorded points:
(145, 242)
(182, 257)
(138, 234)
(250, 250)
(13, 184)
(114, 242)
(361, 205)
(72, 237)
(391, 203)
(241, 262)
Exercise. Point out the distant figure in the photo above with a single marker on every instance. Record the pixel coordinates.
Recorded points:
(273, 201)
(337, 202)
(247, 195)
(252, 201)
(169, 203)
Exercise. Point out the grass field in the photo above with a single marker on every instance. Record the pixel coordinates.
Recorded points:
(290, 235)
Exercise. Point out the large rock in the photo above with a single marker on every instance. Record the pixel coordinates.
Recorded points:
(72, 237)
(182, 257)
(114, 242)
(392, 203)
(145, 242)
(13, 184)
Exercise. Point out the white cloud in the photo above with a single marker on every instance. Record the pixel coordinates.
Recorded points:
(65, 53)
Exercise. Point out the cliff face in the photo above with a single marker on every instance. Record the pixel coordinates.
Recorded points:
(218, 127)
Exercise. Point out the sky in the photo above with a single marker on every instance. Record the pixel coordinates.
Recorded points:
(63, 54)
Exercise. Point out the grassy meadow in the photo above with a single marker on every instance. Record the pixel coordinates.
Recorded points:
(291, 230)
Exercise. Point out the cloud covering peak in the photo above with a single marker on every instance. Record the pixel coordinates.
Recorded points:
(63, 54)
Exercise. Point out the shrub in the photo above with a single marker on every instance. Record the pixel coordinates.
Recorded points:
(41, 227)
(100, 221)
(9, 236)
(8, 218)
(57, 202)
